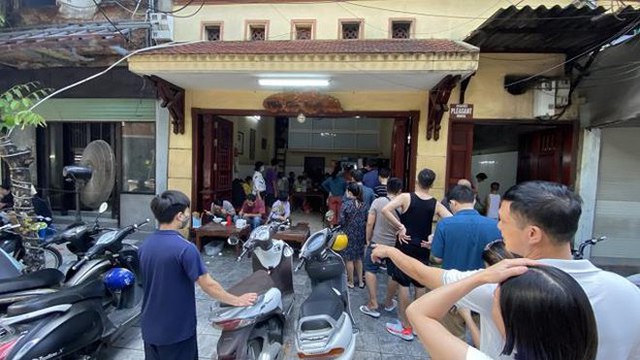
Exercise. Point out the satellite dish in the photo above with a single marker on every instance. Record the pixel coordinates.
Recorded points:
(94, 177)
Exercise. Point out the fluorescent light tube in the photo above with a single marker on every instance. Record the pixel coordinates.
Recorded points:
(294, 82)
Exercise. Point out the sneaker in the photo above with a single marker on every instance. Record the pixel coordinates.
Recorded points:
(397, 330)
(373, 313)
(394, 305)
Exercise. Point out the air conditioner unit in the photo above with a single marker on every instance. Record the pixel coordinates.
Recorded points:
(549, 95)
(161, 26)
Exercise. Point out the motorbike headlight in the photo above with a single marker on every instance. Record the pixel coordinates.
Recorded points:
(261, 233)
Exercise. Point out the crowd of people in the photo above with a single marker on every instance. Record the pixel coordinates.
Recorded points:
(528, 300)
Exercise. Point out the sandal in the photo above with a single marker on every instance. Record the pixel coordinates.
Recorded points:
(361, 285)
(350, 286)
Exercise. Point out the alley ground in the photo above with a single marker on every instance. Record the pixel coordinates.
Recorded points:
(373, 341)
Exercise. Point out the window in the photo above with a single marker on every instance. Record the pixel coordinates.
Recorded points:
(401, 29)
(303, 31)
(138, 157)
(257, 30)
(213, 32)
(351, 29)
(335, 135)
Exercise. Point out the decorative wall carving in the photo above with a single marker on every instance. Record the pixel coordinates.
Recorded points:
(172, 97)
(308, 103)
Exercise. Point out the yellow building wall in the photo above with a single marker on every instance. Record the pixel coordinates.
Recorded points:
(431, 20)
(492, 101)
(486, 91)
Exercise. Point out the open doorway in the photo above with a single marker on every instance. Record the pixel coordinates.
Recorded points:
(509, 153)
(227, 144)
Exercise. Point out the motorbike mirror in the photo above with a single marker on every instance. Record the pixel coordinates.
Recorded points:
(329, 215)
(233, 241)
(103, 207)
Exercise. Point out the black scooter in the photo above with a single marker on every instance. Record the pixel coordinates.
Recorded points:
(15, 286)
(256, 332)
(81, 318)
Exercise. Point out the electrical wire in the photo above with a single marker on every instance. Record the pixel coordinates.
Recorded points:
(135, 52)
(618, 34)
(110, 22)
(193, 14)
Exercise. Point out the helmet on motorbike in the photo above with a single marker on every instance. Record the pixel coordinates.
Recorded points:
(340, 242)
(119, 279)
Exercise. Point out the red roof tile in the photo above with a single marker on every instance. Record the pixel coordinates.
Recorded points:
(383, 46)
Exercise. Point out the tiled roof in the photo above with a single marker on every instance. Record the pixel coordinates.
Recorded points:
(384, 46)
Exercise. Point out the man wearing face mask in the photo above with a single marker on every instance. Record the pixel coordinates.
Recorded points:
(170, 265)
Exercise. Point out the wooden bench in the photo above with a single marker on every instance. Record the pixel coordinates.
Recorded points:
(220, 231)
(297, 234)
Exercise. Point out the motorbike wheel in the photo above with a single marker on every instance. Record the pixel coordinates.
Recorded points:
(52, 258)
(254, 348)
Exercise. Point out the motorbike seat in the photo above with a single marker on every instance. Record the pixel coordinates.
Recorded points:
(322, 301)
(258, 282)
(35, 280)
(70, 295)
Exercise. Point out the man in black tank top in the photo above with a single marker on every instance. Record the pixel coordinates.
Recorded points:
(416, 218)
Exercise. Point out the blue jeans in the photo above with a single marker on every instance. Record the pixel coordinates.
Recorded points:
(255, 221)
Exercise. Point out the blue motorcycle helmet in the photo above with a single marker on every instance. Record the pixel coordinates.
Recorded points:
(118, 279)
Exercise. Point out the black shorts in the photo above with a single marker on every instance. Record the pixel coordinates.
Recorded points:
(184, 350)
(418, 253)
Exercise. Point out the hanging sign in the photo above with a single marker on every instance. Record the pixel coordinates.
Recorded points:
(461, 112)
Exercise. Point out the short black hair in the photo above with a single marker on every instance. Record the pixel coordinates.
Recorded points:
(551, 206)
(251, 197)
(561, 310)
(356, 175)
(372, 163)
(394, 186)
(426, 177)
(481, 176)
(247, 179)
(495, 186)
(166, 205)
(6, 187)
(259, 164)
(217, 201)
(384, 173)
(283, 196)
(356, 190)
(461, 194)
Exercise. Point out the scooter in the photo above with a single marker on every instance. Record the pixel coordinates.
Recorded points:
(101, 301)
(256, 332)
(325, 328)
(16, 286)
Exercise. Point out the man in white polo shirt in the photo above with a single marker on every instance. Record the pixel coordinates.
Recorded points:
(538, 220)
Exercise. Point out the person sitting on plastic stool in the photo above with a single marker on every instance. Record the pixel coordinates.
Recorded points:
(253, 210)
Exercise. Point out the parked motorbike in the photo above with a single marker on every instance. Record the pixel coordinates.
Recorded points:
(16, 286)
(578, 254)
(256, 332)
(100, 300)
(34, 256)
(325, 328)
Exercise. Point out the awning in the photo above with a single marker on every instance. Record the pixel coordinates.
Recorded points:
(349, 64)
(85, 44)
(569, 30)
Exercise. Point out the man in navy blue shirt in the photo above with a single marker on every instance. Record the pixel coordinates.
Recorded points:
(170, 266)
(459, 240)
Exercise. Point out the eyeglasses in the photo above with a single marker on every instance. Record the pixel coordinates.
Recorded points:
(495, 251)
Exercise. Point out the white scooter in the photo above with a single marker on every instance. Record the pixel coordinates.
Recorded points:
(325, 329)
(257, 331)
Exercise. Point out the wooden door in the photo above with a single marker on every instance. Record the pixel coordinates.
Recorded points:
(546, 155)
(398, 148)
(459, 153)
(214, 161)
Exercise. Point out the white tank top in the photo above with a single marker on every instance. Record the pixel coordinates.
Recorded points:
(494, 206)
